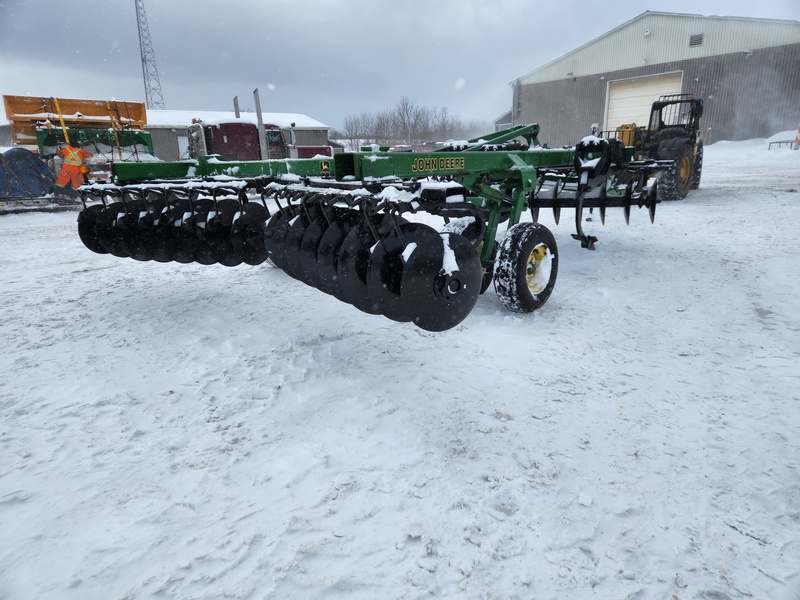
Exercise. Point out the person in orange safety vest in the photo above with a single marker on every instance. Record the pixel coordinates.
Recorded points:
(73, 170)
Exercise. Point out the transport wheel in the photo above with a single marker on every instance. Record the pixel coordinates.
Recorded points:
(247, 233)
(697, 172)
(387, 264)
(526, 268)
(328, 251)
(675, 183)
(441, 282)
(86, 222)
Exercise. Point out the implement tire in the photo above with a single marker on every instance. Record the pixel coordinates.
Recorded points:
(526, 267)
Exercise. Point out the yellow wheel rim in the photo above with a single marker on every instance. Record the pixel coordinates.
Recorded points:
(537, 271)
(685, 170)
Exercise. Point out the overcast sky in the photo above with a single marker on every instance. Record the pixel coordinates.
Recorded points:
(325, 58)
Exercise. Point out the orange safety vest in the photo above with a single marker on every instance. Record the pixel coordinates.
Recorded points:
(73, 156)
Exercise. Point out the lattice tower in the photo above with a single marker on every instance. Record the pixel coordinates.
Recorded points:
(152, 86)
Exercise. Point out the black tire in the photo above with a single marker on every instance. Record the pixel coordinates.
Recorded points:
(697, 172)
(526, 267)
(675, 183)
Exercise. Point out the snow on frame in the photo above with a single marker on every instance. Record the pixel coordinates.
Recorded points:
(181, 431)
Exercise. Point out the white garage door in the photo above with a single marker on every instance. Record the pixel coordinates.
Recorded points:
(629, 100)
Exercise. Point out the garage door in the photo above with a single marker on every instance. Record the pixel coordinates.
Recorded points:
(629, 100)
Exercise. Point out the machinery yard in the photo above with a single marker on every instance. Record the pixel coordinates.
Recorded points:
(198, 431)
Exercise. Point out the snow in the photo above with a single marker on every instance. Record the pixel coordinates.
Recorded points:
(783, 136)
(181, 431)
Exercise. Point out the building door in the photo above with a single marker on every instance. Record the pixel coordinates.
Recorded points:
(629, 100)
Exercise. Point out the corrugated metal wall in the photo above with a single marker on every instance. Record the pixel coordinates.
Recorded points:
(657, 38)
(746, 95)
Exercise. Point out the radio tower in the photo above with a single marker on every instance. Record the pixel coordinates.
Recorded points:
(152, 86)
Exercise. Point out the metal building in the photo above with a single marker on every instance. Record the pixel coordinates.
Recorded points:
(747, 71)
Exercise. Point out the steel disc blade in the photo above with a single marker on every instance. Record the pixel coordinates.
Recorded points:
(196, 224)
(275, 234)
(307, 257)
(311, 242)
(328, 252)
(387, 264)
(441, 282)
(182, 245)
(354, 260)
(294, 238)
(86, 222)
(145, 230)
(167, 228)
(129, 231)
(247, 233)
(106, 232)
(217, 232)
(161, 235)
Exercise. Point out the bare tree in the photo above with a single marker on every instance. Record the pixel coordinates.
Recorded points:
(410, 124)
(353, 132)
(383, 128)
(403, 115)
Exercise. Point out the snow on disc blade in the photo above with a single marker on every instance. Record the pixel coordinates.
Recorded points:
(387, 264)
(439, 296)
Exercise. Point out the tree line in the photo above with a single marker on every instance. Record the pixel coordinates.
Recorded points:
(406, 123)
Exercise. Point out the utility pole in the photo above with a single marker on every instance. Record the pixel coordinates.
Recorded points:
(152, 86)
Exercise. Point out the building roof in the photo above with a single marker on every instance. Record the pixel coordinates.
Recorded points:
(182, 118)
(660, 37)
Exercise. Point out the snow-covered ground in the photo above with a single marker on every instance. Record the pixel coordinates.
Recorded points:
(181, 431)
